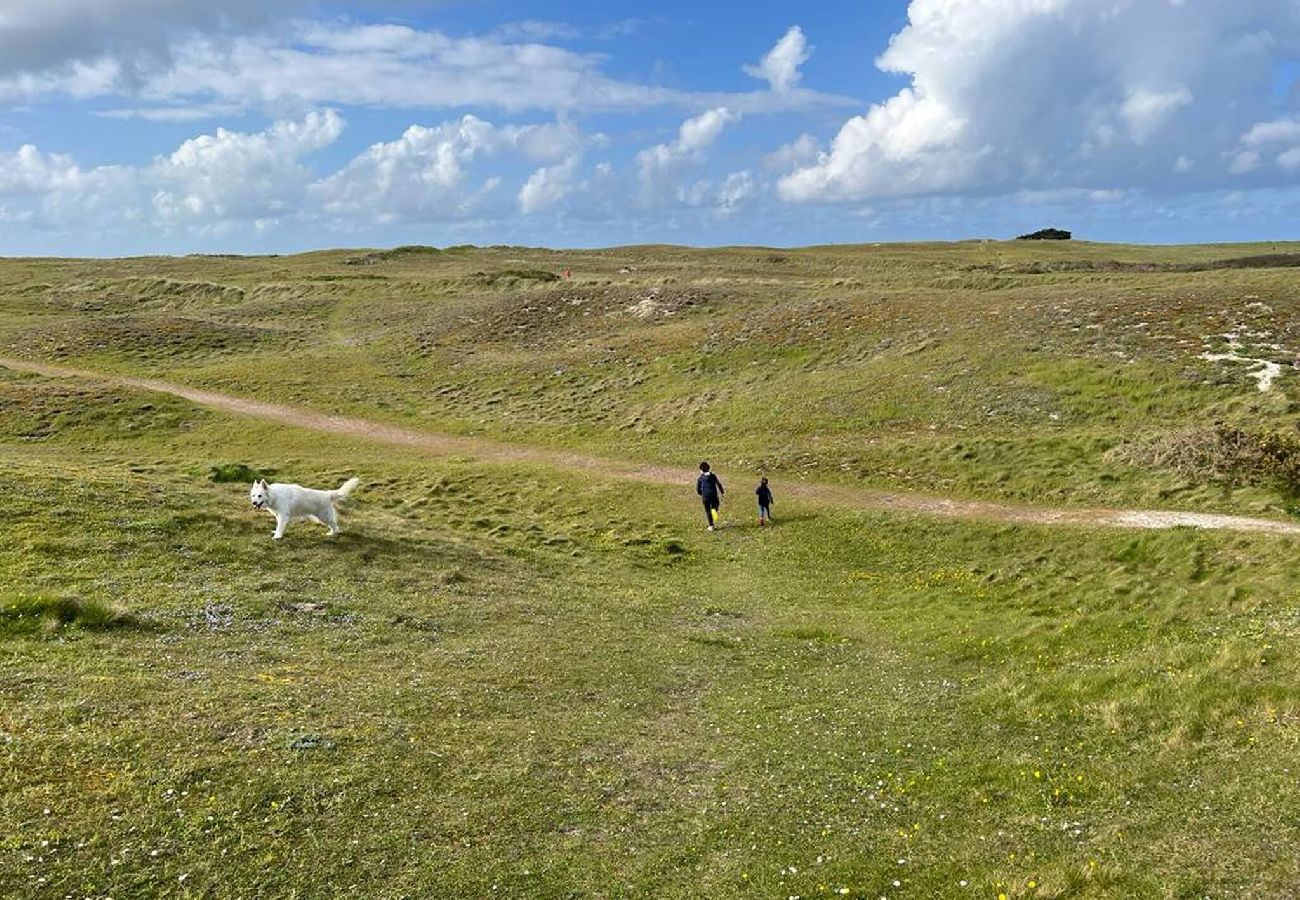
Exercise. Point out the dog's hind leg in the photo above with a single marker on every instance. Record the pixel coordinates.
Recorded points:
(331, 521)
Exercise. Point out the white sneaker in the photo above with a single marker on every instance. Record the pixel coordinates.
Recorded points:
(710, 528)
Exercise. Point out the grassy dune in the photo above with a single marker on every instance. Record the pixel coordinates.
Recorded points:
(505, 680)
(981, 369)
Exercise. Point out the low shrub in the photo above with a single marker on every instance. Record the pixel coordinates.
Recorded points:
(511, 276)
(1231, 455)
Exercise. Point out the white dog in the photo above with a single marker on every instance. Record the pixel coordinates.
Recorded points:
(291, 501)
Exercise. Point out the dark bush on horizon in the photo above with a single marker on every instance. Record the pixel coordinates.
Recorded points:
(1046, 234)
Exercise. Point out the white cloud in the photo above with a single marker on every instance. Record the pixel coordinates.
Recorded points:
(27, 170)
(694, 136)
(302, 64)
(190, 113)
(232, 175)
(1277, 131)
(395, 66)
(801, 151)
(699, 133)
(52, 189)
(212, 183)
(1012, 94)
(425, 174)
(548, 186)
(77, 80)
(208, 180)
(659, 167)
(1146, 110)
(1274, 141)
(780, 67)
(245, 56)
(735, 190)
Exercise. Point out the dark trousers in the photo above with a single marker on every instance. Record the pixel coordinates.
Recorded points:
(711, 505)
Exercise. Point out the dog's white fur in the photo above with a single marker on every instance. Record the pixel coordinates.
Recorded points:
(290, 502)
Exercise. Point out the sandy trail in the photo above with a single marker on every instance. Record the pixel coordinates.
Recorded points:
(829, 494)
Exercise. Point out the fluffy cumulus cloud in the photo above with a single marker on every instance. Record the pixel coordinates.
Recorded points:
(549, 186)
(230, 175)
(425, 174)
(1012, 94)
(1275, 142)
(209, 181)
(39, 189)
(451, 172)
(780, 67)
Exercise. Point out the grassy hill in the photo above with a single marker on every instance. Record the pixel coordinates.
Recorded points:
(506, 679)
(982, 369)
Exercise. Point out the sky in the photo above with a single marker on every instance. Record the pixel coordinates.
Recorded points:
(248, 126)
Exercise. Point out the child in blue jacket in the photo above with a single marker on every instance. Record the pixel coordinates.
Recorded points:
(764, 502)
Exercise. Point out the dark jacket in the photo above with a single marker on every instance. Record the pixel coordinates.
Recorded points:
(708, 486)
(764, 495)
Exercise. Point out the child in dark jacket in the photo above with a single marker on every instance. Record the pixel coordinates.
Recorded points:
(710, 490)
(764, 502)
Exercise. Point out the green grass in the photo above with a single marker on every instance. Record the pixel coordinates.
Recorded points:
(513, 681)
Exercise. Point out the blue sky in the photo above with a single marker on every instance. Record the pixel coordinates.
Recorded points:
(136, 126)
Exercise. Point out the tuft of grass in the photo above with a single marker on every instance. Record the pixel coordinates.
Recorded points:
(26, 615)
(237, 473)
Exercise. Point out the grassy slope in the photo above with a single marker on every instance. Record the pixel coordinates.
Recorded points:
(509, 677)
(505, 677)
(983, 369)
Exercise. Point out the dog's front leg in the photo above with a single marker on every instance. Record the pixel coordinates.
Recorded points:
(280, 523)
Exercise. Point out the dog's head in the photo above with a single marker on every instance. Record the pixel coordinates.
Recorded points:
(260, 494)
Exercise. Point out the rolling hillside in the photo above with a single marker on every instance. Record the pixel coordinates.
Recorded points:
(512, 677)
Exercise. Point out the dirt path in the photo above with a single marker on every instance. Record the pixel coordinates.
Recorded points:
(495, 451)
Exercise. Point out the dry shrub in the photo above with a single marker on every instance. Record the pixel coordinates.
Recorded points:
(1221, 453)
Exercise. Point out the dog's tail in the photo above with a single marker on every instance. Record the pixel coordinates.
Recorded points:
(348, 487)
